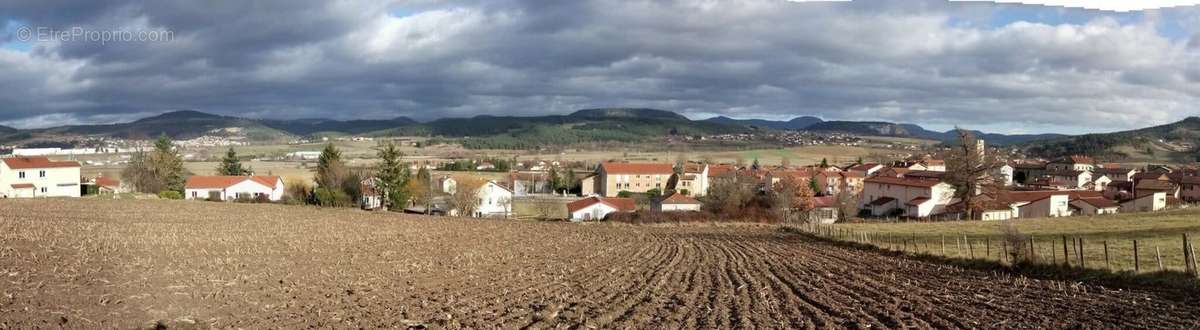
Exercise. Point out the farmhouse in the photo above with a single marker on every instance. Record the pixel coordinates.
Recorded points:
(676, 202)
(908, 197)
(596, 208)
(230, 187)
(614, 177)
(23, 177)
(494, 201)
(1146, 203)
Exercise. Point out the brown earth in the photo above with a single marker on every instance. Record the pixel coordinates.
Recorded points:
(109, 263)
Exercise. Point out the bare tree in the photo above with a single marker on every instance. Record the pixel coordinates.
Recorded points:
(466, 195)
(970, 171)
(792, 198)
(847, 204)
(544, 208)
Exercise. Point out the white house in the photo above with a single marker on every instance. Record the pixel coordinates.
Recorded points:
(1049, 206)
(1005, 174)
(1145, 203)
(918, 198)
(1094, 206)
(676, 202)
(494, 201)
(229, 187)
(596, 208)
(694, 180)
(447, 184)
(24, 177)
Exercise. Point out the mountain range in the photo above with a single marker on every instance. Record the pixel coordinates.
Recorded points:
(592, 126)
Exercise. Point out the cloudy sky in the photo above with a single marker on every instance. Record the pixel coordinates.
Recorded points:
(1003, 68)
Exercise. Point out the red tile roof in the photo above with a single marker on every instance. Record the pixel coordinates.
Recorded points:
(621, 204)
(679, 199)
(1098, 202)
(22, 186)
(902, 181)
(108, 182)
(825, 201)
(226, 181)
(637, 168)
(20, 163)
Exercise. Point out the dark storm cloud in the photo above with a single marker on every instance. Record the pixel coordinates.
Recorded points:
(926, 62)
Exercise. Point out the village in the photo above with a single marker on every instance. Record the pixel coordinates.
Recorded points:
(912, 189)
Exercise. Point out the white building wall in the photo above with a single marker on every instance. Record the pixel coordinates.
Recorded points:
(48, 182)
(592, 212)
(939, 195)
(494, 200)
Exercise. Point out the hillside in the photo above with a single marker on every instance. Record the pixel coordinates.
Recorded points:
(177, 124)
(797, 123)
(313, 126)
(6, 129)
(583, 126)
(915, 131)
(1174, 142)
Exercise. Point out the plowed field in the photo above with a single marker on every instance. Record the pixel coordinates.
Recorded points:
(104, 263)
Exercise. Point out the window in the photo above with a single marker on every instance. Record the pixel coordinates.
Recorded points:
(44, 190)
(42, 174)
(193, 194)
(21, 175)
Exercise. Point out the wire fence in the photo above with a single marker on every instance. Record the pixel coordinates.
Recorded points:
(1071, 251)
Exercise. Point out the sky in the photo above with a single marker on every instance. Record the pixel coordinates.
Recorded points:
(1006, 68)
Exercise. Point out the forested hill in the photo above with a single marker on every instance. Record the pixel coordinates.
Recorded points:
(1175, 141)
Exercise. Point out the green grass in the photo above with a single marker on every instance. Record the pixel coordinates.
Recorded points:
(1162, 230)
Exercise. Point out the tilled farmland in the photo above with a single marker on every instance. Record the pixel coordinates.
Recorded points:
(126, 264)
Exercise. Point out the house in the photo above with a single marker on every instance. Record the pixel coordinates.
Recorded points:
(1074, 179)
(524, 183)
(894, 172)
(447, 184)
(615, 177)
(1149, 187)
(830, 183)
(1189, 189)
(908, 197)
(676, 202)
(853, 182)
(1005, 174)
(800, 176)
(1116, 173)
(24, 177)
(494, 201)
(372, 198)
(825, 210)
(1071, 163)
(1025, 172)
(912, 165)
(936, 165)
(694, 180)
(587, 185)
(596, 208)
(1050, 203)
(925, 175)
(987, 209)
(1149, 202)
(1100, 182)
(107, 185)
(865, 170)
(1094, 206)
(231, 187)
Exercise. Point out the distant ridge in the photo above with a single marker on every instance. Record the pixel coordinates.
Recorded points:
(586, 125)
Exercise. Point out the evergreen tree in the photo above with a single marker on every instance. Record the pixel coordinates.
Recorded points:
(231, 165)
(166, 165)
(555, 180)
(392, 178)
(824, 163)
(330, 170)
(860, 161)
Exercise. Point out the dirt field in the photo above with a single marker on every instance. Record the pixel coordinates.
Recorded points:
(105, 263)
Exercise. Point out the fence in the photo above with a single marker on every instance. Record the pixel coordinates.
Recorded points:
(1133, 255)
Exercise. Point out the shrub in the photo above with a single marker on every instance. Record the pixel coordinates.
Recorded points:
(624, 194)
(331, 197)
(263, 199)
(170, 194)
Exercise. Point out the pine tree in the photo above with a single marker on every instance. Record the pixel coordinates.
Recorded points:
(392, 178)
(824, 163)
(231, 165)
(166, 165)
(330, 170)
(860, 161)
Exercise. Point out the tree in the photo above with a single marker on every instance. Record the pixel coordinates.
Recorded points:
(970, 171)
(419, 191)
(231, 165)
(466, 195)
(824, 163)
(755, 166)
(158, 171)
(331, 172)
(859, 161)
(555, 180)
(392, 177)
(791, 196)
(727, 195)
(847, 204)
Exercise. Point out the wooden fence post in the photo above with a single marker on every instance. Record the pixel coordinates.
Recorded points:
(1082, 258)
(1137, 267)
(1003, 251)
(1032, 250)
(1107, 265)
(970, 247)
(1066, 257)
(1158, 256)
(943, 245)
(987, 247)
(1188, 258)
